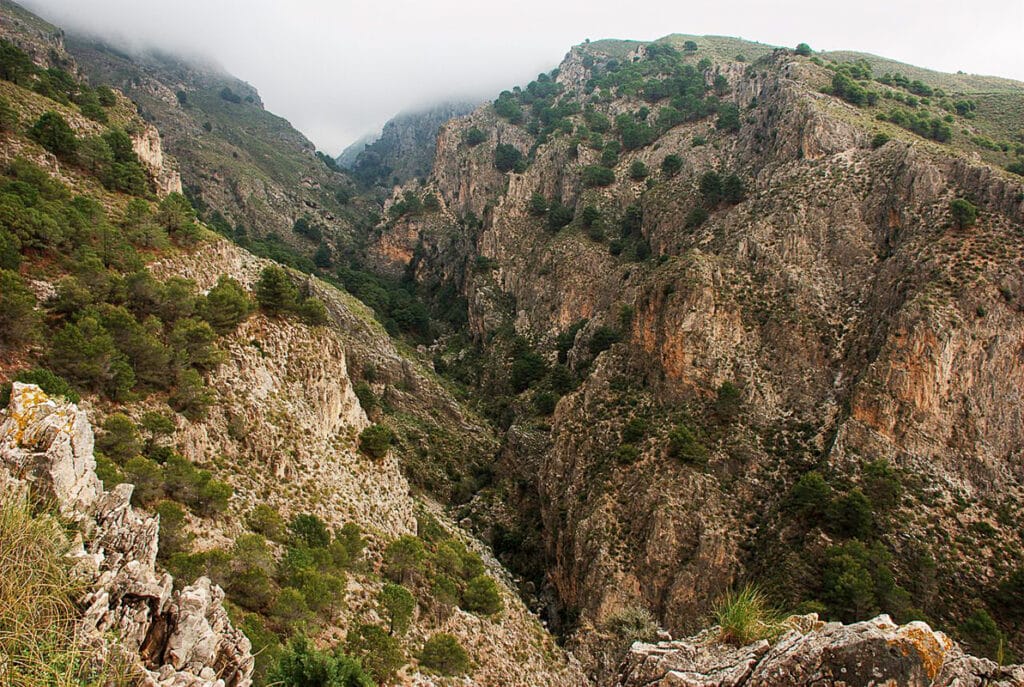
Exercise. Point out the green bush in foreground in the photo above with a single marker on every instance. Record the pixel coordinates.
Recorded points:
(301, 665)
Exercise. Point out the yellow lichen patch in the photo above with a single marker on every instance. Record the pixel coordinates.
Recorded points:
(23, 408)
(931, 647)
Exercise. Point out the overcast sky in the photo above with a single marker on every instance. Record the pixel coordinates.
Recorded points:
(338, 69)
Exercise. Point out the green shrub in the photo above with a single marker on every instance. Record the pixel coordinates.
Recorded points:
(309, 530)
(695, 218)
(527, 368)
(380, 653)
(810, 497)
(397, 604)
(350, 538)
(879, 140)
(174, 537)
(728, 401)
(638, 170)
(190, 397)
(482, 596)
(119, 439)
(803, 49)
(589, 216)
(212, 498)
(367, 399)
(404, 559)
(178, 218)
(728, 118)
(634, 430)
(85, 353)
(851, 515)
(375, 440)
(964, 213)
(226, 305)
(302, 665)
(475, 137)
(559, 215)
(684, 446)
(264, 519)
(849, 586)
(507, 158)
(746, 616)
(443, 653)
(982, 636)
(9, 119)
(290, 611)
(602, 339)
(19, 320)
(627, 454)
(313, 312)
(597, 175)
(671, 165)
(52, 132)
(545, 402)
(194, 344)
(507, 107)
(538, 205)
(882, 484)
(275, 292)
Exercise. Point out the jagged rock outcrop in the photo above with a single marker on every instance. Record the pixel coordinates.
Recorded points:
(174, 639)
(874, 652)
(147, 146)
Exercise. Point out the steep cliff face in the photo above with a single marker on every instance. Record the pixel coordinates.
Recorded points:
(834, 300)
(283, 432)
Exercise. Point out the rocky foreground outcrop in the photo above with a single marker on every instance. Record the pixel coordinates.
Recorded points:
(813, 653)
(174, 638)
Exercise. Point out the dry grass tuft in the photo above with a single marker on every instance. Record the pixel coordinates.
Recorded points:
(39, 644)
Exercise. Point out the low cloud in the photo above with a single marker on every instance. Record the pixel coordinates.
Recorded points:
(339, 68)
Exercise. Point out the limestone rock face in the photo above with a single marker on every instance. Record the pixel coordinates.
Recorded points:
(147, 146)
(874, 652)
(49, 445)
(183, 639)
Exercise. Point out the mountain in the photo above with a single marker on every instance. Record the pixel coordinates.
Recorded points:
(748, 317)
(252, 176)
(405, 148)
(693, 337)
